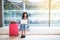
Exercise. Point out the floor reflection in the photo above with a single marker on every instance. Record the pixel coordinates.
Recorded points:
(31, 37)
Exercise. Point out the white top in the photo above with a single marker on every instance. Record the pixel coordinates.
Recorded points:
(23, 21)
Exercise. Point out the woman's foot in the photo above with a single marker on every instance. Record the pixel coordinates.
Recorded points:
(22, 36)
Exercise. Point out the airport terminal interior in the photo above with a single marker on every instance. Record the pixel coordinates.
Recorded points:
(43, 15)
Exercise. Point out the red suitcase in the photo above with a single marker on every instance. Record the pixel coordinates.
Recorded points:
(13, 29)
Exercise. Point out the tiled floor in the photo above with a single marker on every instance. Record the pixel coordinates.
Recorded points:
(31, 37)
(35, 30)
(47, 33)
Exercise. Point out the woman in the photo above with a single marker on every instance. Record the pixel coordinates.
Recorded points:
(24, 24)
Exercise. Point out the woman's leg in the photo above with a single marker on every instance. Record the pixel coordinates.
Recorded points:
(24, 32)
(21, 32)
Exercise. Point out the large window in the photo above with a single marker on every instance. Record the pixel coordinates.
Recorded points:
(55, 13)
(42, 13)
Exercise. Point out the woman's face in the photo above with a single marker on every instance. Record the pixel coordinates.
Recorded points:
(25, 15)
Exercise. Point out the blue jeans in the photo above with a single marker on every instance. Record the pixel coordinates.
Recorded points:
(24, 27)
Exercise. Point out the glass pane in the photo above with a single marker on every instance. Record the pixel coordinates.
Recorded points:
(55, 13)
(19, 14)
(8, 5)
(6, 22)
(38, 12)
(37, 6)
(38, 0)
(9, 14)
(14, 0)
(12, 15)
(39, 18)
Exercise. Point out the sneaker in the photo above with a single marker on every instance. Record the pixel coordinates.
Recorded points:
(23, 36)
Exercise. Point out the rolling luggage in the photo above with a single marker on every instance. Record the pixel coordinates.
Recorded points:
(13, 29)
